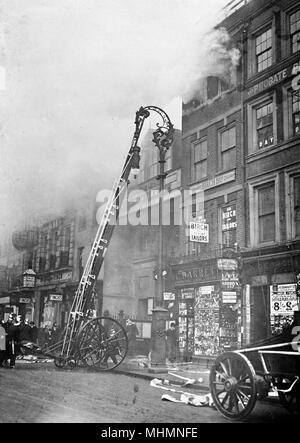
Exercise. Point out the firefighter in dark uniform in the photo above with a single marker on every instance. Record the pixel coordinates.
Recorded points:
(13, 329)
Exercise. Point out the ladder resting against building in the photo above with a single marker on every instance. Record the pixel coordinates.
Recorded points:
(88, 340)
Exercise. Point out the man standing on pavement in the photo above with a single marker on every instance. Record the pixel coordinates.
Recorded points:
(13, 329)
(171, 342)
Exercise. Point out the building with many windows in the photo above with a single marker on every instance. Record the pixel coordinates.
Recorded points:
(42, 266)
(242, 146)
(271, 130)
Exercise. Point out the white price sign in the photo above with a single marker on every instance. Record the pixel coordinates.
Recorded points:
(283, 299)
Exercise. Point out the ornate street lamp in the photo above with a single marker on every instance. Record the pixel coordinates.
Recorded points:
(163, 139)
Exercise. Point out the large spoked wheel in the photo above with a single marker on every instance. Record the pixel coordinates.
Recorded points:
(102, 343)
(290, 400)
(233, 385)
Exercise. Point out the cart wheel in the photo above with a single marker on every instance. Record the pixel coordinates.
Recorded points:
(233, 385)
(102, 344)
(290, 400)
(60, 362)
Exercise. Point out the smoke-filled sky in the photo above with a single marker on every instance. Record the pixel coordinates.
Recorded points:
(76, 71)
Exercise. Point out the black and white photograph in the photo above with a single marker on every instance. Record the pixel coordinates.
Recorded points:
(150, 214)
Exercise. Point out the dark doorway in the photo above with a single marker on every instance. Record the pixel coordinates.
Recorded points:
(260, 313)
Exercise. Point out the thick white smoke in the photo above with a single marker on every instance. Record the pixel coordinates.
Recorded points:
(76, 73)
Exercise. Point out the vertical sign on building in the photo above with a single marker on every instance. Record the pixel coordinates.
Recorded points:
(229, 225)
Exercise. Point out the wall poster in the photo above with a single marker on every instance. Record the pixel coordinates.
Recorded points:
(186, 322)
(283, 303)
(206, 309)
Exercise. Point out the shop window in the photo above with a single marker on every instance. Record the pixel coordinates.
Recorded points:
(264, 125)
(199, 163)
(228, 149)
(295, 31)
(263, 50)
(266, 213)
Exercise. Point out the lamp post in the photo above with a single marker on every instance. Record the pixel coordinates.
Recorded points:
(163, 139)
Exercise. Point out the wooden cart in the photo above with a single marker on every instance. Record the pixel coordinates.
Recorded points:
(239, 378)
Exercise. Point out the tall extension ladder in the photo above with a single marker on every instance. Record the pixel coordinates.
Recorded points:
(82, 303)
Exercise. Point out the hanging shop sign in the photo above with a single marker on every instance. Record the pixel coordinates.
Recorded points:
(229, 297)
(283, 299)
(230, 280)
(29, 278)
(206, 290)
(227, 264)
(187, 293)
(52, 278)
(56, 297)
(229, 218)
(169, 296)
(199, 232)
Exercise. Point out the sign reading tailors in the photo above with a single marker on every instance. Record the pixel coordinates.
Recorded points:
(229, 218)
(199, 232)
(56, 297)
(283, 299)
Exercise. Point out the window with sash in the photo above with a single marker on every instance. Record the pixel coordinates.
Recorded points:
(228, 149)
(266, 213)
(263, 50)
(295, 31)
(199, 160)
(264, 125)
(296, 112)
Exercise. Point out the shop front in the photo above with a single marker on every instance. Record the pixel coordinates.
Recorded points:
(21, 302)
(272, 294)
(209, 308)
(53, 298)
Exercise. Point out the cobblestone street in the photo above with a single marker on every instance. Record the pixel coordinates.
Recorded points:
(43, 394)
